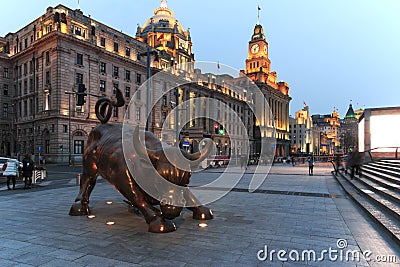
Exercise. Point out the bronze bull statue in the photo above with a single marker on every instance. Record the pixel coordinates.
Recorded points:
(104, 156)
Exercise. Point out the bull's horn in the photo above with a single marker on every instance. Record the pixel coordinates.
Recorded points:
(198, 157)
(139, 148)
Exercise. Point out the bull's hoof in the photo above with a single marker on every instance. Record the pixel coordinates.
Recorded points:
(161, 225)
(78, 210)
(202, 213)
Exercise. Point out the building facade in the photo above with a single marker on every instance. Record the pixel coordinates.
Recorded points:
(258, 69)
(349, 131)
(301, 132)
(43, 64)
(326, 130)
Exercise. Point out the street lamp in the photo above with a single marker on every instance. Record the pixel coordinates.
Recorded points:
(148, 53)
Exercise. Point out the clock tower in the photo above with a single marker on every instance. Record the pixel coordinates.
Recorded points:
(257, 63)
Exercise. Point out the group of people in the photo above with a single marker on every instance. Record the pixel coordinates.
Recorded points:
(11, 171)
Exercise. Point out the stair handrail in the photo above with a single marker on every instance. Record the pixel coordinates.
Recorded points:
(369, 151)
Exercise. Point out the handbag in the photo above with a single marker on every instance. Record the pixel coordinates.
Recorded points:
(4, 167)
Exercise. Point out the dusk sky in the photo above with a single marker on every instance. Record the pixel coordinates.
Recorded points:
(330, 52)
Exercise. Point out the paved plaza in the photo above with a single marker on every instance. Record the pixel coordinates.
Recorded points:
(291, 211)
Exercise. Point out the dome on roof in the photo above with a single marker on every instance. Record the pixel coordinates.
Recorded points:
(163, 20)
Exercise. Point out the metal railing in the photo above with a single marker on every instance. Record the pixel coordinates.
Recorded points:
(382, 153)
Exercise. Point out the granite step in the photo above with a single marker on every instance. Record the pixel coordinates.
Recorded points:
(383, 191)
(387, 169)
(378, 208)
(380, 177)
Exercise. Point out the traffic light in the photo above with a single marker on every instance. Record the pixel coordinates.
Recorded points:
(221, 130)
(216, 127)
(61, 148)
(80, 101)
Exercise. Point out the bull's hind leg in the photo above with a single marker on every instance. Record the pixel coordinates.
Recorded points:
(199, 212)
(87, 183)
(157, 223)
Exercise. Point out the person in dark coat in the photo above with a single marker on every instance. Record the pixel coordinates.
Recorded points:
(27, 170)
(355, 160)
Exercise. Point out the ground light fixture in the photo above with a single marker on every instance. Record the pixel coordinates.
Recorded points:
(203, 225)
(109, 202)
(110, 223)
(91, 216)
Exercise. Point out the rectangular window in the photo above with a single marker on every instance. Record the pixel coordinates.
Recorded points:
(79, 59)
(25, 87)
(127, 75)
(65, 128)
(115, 112)
(127, 91)
(25, 69)
(5, 89)
(47, 146)
(115, 47)
(138, 78)
(5, 73)
(127, 112)
(115, 88)
(5, 110)
(102, 41)
(47, 57)
(128, 52)
(25, 108)
(102, 86)
(139, 94)
(78, 146)
(103, 67)
(138, 114)
(116, 71)
(52, 128)
(26, 43)
(164, 101)
(79, 78)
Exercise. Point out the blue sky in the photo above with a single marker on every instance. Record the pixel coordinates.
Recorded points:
(330, 52)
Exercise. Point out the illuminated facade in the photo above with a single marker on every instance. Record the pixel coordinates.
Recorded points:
(64, 48)
(51, 55)
(258, 69)
(326, 132)
(301, 132)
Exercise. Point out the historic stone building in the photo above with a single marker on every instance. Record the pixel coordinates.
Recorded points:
(43, 64)
(349, 130)
(326, 133)
(258, 69)
(301, 132)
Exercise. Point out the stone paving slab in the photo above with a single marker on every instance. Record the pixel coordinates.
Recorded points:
(37, 230)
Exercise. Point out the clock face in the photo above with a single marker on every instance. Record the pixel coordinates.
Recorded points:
(255, 48)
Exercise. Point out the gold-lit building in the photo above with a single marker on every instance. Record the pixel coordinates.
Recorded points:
(42, 64)
(326, 130)
(258, 69)
(301, 132)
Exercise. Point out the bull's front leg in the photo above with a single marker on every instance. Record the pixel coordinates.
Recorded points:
(87, 183)
(199, 212)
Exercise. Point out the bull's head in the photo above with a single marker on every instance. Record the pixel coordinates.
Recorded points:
(174, 165)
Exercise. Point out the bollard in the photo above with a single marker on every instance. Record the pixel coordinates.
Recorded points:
(78, 179)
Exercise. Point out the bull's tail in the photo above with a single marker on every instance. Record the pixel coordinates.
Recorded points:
(105, 106)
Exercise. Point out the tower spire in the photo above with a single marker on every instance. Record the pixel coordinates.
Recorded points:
(163, 4)
(258, 20)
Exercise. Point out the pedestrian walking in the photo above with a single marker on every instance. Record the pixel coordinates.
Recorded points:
(310, 160)
(27, 170)
(11, 172)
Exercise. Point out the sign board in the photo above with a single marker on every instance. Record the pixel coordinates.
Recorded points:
(185, 143)
(39, 148)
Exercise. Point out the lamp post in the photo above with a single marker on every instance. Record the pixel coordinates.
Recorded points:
(69, 126)
(148, 53)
